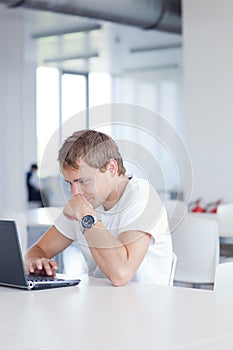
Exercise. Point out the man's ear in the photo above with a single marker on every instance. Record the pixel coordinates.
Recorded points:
(112, 167)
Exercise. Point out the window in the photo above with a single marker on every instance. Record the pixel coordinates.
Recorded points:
(47, 107)
(60, 95)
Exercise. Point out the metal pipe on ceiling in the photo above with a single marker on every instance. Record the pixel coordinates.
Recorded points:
(164, 15)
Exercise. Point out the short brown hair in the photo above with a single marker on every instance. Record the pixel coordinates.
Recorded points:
(95, 148)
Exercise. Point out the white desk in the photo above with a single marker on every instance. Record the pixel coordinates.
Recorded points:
(42, 217)
(95, 315)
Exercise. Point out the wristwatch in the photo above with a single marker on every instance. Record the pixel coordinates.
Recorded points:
(88, 221)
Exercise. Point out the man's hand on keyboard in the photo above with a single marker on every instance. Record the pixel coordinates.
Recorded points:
(41, 266)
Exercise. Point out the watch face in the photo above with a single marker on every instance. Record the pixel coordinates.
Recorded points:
(88, 221)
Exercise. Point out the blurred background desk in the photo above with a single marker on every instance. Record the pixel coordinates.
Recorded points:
(225, 229)
(42, 217)
(95, 315)
(226, 235)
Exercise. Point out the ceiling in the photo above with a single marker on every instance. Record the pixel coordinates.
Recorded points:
(68, 42)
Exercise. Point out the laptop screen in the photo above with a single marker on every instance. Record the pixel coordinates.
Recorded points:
(11, 262)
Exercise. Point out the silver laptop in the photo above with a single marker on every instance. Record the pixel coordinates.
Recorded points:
(12, 272)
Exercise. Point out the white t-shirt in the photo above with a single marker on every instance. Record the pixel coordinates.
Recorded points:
(139, 208)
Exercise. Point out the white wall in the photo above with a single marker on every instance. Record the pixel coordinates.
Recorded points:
(208, 86)
(159, 91)
(17, 115)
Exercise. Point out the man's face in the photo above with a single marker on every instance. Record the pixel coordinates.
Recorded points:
(94, 185)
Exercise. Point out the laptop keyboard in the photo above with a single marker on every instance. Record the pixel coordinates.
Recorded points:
(38, 278)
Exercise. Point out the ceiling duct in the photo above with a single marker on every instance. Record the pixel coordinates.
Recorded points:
(164, 15)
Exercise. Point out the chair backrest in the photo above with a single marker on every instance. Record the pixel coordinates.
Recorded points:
(225, 219)
(21, 222)
(176, 211)
(173, 269)
(196, 245)
(224, 277)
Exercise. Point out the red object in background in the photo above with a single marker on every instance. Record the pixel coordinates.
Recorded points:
(196, 207)
(213, 207)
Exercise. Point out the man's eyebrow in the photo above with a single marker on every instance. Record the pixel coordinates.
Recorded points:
(76, 180)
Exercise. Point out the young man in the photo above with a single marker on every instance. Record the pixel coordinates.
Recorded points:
(118, 221)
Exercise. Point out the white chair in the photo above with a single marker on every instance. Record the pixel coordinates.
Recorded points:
(196, 245)
(173, 269)
(225, 220)
(225, 225)
(224, 277)
(21, 222)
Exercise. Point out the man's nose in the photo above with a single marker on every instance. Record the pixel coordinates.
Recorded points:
(76, 189)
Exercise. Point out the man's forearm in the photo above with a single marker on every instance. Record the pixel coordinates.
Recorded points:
(34, 252)
(109, 253)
